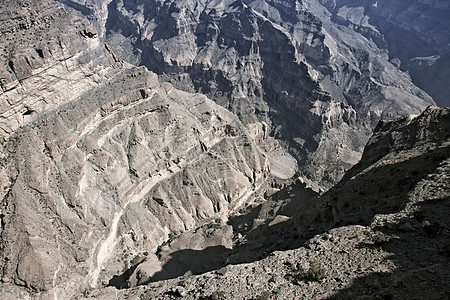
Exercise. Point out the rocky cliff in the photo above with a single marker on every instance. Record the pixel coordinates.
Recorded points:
(319, 88)
(102, 163)
(383, 232)
(415, 33)
(44, 62)
(112, 178)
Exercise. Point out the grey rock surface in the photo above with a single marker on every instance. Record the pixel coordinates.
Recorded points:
(416, 33)
(116, 184)
(319, 88)
(45, 63)
(359, 247)
(110, 163)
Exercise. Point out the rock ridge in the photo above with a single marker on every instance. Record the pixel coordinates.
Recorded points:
(284, 63)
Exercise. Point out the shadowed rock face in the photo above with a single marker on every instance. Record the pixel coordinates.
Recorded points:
(398, 157)
(319, 88)
(415, 32)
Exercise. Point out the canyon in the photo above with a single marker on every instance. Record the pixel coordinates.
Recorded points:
(221, 149)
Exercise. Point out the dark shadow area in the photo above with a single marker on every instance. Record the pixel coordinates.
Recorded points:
(432, 76)
(242, 223)
(78, 7)
(116, 23)
(295, 214)
(193, 261)
(28, 112)
(382, 190)
(266, 228)
(379, 191)
(121, 281)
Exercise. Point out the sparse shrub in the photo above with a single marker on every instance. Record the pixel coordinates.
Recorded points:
(318, 219)
(444, 249)
(385, 296)
(316, 271)
(379, 238)
(264, 296)
(159, 248)
(217, 295)
(125, 267)
(432, 228)
(419, 215)
(135, 260)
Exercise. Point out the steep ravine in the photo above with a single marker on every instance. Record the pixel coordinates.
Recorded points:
(414, 33)
(112, 180)
(115, 166)
(105, 247)
(319, 88)
(382, 232)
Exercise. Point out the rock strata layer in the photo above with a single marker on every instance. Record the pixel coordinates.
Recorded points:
(112, 178)
(101, 163)
(382, 232)
(318, 87)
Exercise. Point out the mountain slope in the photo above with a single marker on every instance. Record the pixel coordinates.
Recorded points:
(111, 178)
(374, 235)
(415, 33)
(284, 63)
(102, 163)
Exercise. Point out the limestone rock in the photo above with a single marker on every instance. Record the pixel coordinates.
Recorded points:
(409, 31)
(107, 168)
(364, 261)
(111, 179)
(319, 88)
(44, 63)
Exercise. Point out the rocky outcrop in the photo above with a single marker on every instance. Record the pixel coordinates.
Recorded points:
(382, 232)
(111, 179)
(414, 32)
(108, 163)
(44, 63)
(406, 151)
(283, 63)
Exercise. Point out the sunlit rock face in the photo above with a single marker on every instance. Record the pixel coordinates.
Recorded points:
(384, 221)
(320, 88)
(100, 161)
